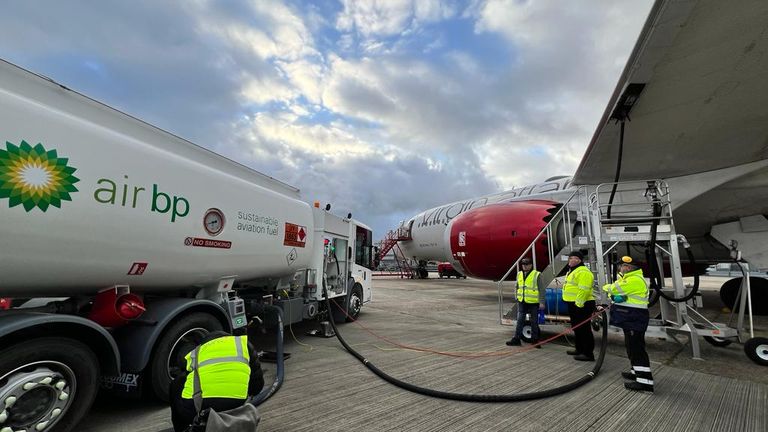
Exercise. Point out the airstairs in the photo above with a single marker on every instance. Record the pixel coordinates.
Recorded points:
(606, 222)
(390, 244)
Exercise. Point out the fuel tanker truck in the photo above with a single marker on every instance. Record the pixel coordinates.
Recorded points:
(122, 245)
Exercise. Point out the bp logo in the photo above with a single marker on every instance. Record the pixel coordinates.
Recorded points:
(35, 177)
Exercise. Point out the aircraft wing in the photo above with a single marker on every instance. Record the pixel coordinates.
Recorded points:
(696, 86)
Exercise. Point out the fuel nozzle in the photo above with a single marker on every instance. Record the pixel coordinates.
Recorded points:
(735, 252)
(652, 190)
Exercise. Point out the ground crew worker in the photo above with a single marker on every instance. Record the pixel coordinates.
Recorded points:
(629, 311)
(229, 372)
(577, 294)
(529, 300)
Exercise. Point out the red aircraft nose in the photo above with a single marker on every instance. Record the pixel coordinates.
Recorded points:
(486, 241)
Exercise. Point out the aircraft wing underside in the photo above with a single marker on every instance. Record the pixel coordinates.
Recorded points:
(699, 79)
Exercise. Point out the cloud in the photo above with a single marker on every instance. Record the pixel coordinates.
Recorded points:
(419, 105)
(376, 183)
(278, 32)
(326, 142)
(387, 18)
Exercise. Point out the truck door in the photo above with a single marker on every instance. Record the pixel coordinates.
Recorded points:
(341, 254)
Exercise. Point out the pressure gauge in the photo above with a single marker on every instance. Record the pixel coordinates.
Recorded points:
(213, 221)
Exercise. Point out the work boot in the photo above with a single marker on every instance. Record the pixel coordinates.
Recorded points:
(584, 357)
(572, 352)
(636, 386)
(628, 376)
(514, 342)
(535, 343)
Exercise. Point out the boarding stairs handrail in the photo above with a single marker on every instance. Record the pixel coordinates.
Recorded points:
(391, 239)
(613, 221)
(563, 216)
(390, 243)
(402, 262)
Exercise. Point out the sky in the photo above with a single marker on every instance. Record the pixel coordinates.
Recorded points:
(383, 108)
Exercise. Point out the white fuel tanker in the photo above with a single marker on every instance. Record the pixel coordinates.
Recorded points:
(122, 245)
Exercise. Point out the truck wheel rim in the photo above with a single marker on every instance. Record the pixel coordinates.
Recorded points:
(36, 396)
(762, 351)
(354, 304)
(183, 345)
(528, 331)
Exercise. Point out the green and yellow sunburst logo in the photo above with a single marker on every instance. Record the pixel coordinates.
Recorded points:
(34, 177)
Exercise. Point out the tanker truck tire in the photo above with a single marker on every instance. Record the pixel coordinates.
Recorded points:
(355, 303)
(177, 341)
(49, 383)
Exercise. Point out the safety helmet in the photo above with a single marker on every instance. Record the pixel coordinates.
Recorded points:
(627, 260)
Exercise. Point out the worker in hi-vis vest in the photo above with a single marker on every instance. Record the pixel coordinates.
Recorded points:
(530, 297)
(629, 295)
(577, 294)
(229, 372)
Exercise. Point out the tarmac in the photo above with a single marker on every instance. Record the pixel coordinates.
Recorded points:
(326, 389)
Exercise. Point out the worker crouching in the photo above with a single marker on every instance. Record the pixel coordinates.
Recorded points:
(229, 372)
(629, 311)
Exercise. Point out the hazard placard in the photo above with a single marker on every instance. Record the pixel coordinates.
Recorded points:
(295, 235)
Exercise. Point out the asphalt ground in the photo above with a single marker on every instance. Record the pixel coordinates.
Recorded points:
(327, 389)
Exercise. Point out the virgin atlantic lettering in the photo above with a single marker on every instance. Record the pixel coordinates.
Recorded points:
(444, 214)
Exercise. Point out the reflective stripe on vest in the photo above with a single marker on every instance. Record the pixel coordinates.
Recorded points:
(632, 286)
(528, 289)
(578, 283)
(224, 368)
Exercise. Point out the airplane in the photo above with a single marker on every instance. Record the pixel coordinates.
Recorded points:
(688, 108)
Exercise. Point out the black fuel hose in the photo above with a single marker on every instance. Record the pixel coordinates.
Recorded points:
(618, 171)
(475, 397)
(656, 276)
(268, 392)
(653, 297)
(695, 287)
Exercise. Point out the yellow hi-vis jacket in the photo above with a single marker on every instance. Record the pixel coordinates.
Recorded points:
(223, 365)
(578, 286)
(633, 287)
(528, 288)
